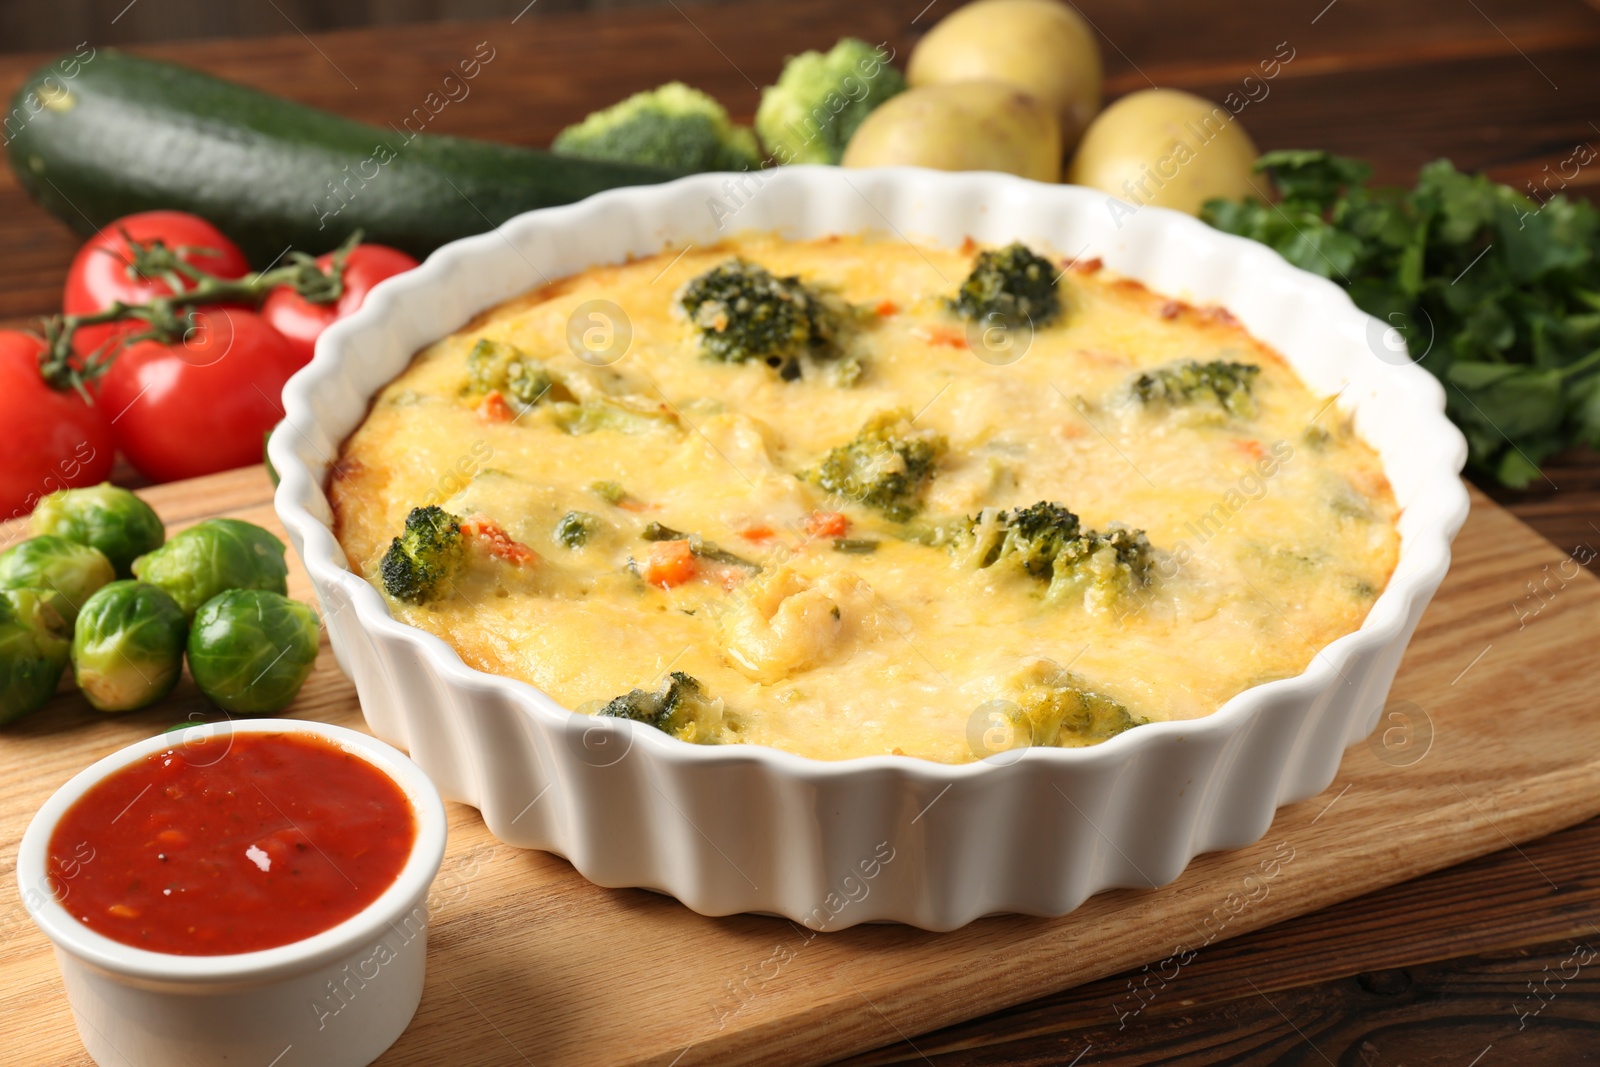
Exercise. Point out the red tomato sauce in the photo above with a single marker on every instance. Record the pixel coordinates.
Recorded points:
(280, 837)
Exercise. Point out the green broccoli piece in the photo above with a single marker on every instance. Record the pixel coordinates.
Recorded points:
(611, 492)
(886, 467)
(1058, 708)
(1047, 541)
(1103, 566)
(575, 529)
(1188, 382)
(1032, 537)
(428, 556)
(745, 312)
(674, 126)
(499, 366)
(1013, 284)
(820, 100)
(678, 707)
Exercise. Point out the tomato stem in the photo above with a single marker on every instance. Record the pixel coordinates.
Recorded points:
(170, 317)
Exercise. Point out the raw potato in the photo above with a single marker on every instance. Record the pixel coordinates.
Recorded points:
(1164, 147)
(1041, 46)
(967, 126)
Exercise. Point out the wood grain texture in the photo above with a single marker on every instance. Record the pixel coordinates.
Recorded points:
(531, 961)
(1398, 84)
(119, 22)
(1536, 903)
(1515, 1004)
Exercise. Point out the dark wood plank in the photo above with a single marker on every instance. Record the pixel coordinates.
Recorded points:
(121, 23)
(1496, 113)
(544, 75)
(1568, 513)
(1451, 1015)
(1400, 84)
(1540, 899)
(1433, 971)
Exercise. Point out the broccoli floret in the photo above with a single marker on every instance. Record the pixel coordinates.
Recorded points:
(820, 99)
(611, 492)
(1032, 537)
(1013, 284)
(744, 312)
(498, 366)
(678, 707)
(1047, 541)
(1189, 382)
(674, 127)
(1103, 566)
(1057, 707)
(429, 555)
(575, 528)
(886, 467)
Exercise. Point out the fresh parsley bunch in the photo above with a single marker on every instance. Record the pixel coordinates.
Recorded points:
(1495, 293)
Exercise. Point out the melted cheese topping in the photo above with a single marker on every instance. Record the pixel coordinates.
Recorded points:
(1273, 533)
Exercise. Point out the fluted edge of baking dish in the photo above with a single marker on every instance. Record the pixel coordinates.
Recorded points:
(742, 828)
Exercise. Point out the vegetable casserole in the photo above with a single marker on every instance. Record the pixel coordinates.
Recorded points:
(856, 496)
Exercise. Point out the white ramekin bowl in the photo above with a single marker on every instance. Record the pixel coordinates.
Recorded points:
(749, 829)
(337, 999)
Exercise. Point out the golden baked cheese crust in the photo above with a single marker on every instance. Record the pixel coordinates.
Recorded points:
(906, 533)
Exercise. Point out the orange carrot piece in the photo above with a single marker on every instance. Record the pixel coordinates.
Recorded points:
(942, 336)
(669, 563)
(827, 524)
(494, 409)
(496, 541)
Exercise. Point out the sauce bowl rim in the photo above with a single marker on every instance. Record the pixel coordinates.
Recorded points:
(404, 896)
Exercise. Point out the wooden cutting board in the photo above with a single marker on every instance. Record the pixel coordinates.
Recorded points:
(1491, 739)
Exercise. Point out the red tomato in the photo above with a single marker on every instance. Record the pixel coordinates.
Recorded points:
(100, 271)
(203, 404)
(301, 321)
(52, 440)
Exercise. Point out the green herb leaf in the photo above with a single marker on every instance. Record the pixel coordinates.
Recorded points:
(1495, 292)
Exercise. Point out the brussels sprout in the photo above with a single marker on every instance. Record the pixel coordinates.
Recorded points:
(251, 650)
(62, 608)
(53, 563)
(104, 517)
(213, 557)
(127, 649)
(33, 651)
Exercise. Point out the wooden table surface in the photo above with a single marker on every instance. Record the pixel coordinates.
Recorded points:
(1492, 962)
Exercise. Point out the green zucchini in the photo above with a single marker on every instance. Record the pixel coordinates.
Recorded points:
(126, 134)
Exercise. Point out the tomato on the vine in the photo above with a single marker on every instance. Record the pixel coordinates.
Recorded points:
(100, 273)
(301, 321)
(52, 439)
(201, 404)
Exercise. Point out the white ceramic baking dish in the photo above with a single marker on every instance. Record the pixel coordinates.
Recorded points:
(831, 844)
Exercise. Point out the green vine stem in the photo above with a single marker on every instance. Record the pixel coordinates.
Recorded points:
(168, 318)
